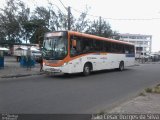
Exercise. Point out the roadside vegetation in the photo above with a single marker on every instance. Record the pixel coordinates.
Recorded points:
(142, 94)
(155, 89)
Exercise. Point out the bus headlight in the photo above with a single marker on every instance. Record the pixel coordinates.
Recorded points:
(66, 63)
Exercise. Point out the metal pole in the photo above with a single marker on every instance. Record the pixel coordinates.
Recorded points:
(69, 21)
(100, 26)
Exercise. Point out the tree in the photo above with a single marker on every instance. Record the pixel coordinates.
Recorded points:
(29, 27)
(93, 28)
(38, 28)
(101, 29)
(41, 13)
(39, 24)
(23, 18)
(82, 22)
(9, 22)
(61, 22)
(18, 24)
(13, 16)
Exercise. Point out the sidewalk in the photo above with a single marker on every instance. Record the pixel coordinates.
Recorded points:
(12, 68)
(137, 62)
(147, 102)
(140, 105)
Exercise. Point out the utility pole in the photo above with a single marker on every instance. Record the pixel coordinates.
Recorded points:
(100, 21)
(69, 19)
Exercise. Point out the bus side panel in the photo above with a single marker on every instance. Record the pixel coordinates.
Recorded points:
(99, 62)
(130, 61)
(113, 60)
(76, 65)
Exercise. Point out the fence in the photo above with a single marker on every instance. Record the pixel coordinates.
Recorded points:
(27, 62)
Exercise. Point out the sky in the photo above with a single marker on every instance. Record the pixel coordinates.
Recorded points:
(124, 16)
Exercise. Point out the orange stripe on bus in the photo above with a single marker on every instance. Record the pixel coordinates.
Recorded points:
(68, 59)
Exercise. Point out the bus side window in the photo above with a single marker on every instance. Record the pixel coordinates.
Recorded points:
(129, 49)
(73, 43)
(120, 48)
(97, 45)
(86, 45)
(123, 49)
(79, 46)
(132, 49)
(114, 47)
(126, 51)
(76, 45)
(73, 51)
(109, 46)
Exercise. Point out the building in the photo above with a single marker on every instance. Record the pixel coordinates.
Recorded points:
(142, 43)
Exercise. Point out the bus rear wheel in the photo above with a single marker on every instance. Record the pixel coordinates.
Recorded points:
(86, 69)
(121, 66)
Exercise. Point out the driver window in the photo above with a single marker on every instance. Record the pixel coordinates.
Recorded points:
(75, 46)
(73, 42)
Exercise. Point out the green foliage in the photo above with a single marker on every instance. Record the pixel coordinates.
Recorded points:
(82, 22)
(37, 36)
(18, 23)
(156, 89)
(11, 18)
(148, 90)
(142, 94)
(103, 30)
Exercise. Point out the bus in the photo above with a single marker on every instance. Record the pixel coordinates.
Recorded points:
(74, 52)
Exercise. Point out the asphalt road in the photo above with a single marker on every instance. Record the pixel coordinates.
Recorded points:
(75, 94)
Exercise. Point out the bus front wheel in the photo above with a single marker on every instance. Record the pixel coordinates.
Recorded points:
(121, 66)
(86, 69)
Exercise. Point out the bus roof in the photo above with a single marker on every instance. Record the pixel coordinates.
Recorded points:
(93, 36)
(98, 37)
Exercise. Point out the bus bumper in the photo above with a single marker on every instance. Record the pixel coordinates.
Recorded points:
(49, 69)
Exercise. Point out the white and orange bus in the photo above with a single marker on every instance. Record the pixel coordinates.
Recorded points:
(75, 52)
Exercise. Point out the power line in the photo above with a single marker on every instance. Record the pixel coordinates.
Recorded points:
(69, 13)
(58, 8)
(133, 19)
(83, 12)
(55, 6)
(120, 19)
(63, 5)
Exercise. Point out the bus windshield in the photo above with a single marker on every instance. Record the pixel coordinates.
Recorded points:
(55, 48)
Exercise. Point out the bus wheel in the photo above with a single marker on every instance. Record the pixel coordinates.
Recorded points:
(121, 66)
(86, 69)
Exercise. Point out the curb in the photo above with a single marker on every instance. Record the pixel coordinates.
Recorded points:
(20, 75)
(136, 64)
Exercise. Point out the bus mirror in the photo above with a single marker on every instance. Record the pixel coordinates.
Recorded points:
(74, 43)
